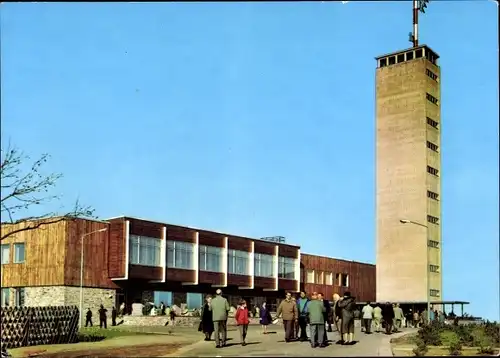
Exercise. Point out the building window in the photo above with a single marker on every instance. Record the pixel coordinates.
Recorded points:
(210, 259)
(19, 253)
(264, 265)
(320, 278)
(344, 280)
(194, 300)
(310, 276)
(433, 219)
(432, 195)
(286, 267)
(434, 268)
(434, 293)
(432, 123)
(432, 171)
(338, 279)
(19, 297)
(433, 243)
(145, 251)
(5, 253)
(329, 278)
(432, 146)
(180, 255)
(431, 99)
(238, 262)
(5, 296)
(431, 74)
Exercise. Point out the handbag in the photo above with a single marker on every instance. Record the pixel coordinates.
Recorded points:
(200, 326)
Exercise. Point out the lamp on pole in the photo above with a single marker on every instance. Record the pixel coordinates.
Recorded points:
(81, 270)
(428, 279)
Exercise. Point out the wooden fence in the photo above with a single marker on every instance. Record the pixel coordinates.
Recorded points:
(29, 326)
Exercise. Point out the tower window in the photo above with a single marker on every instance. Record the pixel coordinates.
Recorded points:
(409, 56)
(432, 146)
(431, 99)
(433, 243)
(432, 195)
(432, 123)
(392, 60)
(383, 62)
(431, 74)
(401, 58)
(433, 219)
(432, 171)
(418, 53)
(434, 293)
(434, 268)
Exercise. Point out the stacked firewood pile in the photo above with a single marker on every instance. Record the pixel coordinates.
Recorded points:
(30, 326)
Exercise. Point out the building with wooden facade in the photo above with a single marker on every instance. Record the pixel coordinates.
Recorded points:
(129, 260)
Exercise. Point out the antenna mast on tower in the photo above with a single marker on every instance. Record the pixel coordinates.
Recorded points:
(418, 6)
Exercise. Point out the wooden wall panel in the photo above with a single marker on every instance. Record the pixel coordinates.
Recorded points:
(178, 233)
(146, 228)
(180, 275)
(44, 256)
(211, 238)
(145, 272)
(239, 243)
(95, 250)
(288, 251)
(287, 285)
(262, 247)
(362, 276)
(214, 278)
(238, 280)
(116, 248)
(263, 282)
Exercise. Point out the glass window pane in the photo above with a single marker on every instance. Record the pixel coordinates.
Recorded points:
(5, 296)
(19, 253)
(5, 253)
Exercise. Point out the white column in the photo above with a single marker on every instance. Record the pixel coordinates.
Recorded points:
(127, 248)
(196, 258)
(164, 254)
(297, 271)
(276, 267)
(225, 252)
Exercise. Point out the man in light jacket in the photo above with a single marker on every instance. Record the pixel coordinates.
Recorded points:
(219, 307)
(398, 317)
(367, 318)
(288, 311)
(377, 317)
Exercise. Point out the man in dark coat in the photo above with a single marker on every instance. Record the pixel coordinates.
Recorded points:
(326, 316)
(388, 317)
(103, 319)
(114, 313)
(348, 305)
(88, 321)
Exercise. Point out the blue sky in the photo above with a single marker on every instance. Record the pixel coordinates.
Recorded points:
(254, 118)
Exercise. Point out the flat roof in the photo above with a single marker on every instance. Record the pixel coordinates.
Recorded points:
(339, 259)
(406, 50)
(199, 229)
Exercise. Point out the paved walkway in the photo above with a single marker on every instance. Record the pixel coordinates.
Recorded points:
(259, 345)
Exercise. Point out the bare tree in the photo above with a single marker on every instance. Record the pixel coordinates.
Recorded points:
(24, 188)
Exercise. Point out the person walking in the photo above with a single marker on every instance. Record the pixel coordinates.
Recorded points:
(219, 307)
(398, 317)
(337, 316)
(317, 321)
(288, 311)
(88, 318)
(206, 322)
(114, 313)
(242, 320)
(367, 318)
(302, 306)
(103, 319)
(416, 319)
(326, 314)
(377, 318)
(348, 305)
(388, 316)
(265, 317)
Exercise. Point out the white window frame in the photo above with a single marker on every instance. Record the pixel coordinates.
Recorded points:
(205, 251)
(232, 258)
(5, 258)
(137, 245)
(17, 246)
(175, 246)
(259, 259)
(284, 264)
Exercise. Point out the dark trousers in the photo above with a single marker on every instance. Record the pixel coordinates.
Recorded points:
(103, 323)
(303, 328)
(317, 334)
(88, 322)
(243, 328)
(367, 323)
(113, 321)
(220, 329)
(288, 325)
(388, 325)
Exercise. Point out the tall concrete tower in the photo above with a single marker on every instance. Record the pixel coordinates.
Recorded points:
(408, 176)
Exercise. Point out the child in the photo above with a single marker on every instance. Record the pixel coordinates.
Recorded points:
(242, 321)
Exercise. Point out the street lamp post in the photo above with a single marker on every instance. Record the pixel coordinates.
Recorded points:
(428, 279)
(81, 271)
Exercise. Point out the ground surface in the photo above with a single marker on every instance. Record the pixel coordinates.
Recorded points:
(178, 342)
